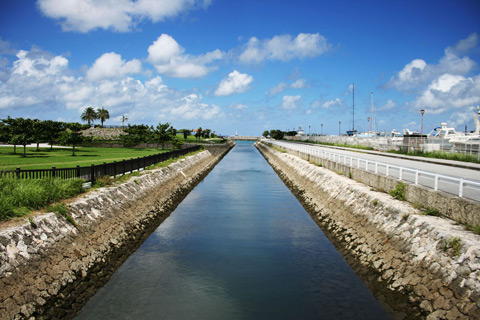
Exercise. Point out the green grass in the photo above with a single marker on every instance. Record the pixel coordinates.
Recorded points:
(62, 157)
(343, 145)
(399, 191)
(19, 197)
(453, 245)
(440, 155)
(61, 209)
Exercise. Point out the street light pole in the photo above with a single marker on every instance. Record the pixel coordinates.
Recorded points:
(309, 131)
(339, 126)
(321, 129)
(421, 131)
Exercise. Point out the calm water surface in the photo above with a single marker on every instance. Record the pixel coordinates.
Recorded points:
(240, 246)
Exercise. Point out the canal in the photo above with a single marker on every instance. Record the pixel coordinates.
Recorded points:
(240, 246)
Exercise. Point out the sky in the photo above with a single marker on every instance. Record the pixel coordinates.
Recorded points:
(243, 67)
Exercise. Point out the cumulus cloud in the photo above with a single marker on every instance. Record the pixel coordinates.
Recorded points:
(236, 82)
(111, 65)
(118, 15)
(332, 103)
(446, 86)
(291, 102)
(169, 58)
(449, 92)
(41, 85)
(418, 72)
(336, 103)
(192, 107)
(389, 105)
(282, 86)
(284, 48)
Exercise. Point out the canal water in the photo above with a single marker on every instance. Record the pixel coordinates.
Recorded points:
(240, 246)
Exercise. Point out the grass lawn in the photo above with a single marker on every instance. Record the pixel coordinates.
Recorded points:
(62, 157)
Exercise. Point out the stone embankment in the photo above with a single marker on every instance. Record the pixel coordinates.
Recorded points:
(418, 266)
(49, 267)
(462, 210)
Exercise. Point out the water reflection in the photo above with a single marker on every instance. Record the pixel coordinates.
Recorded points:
(240, 246)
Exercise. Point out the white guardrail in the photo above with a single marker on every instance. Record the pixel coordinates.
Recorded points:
(453, 185)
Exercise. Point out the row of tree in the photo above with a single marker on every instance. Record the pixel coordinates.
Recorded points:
(164, 132)
(20, 131)
(274, 134)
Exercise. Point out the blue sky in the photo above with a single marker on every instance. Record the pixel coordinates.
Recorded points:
(243, 66)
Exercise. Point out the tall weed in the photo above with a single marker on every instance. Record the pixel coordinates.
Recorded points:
(18, 197)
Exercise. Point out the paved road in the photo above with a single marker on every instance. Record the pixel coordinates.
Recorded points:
(444, 168)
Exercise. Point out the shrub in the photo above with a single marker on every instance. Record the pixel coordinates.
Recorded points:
(453, 245)
(432, 212)
(103, 181)
(399, 191)
(61, 209)
(19, 197)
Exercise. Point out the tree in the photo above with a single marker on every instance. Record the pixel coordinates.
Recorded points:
(39, 132)
(206, 133)
(276, 134)
(124, 118)
(72, 135)
(163, 133)
(53, 129)
(21, 132)
(89, 115)
(176, 143)
(266, 133)
(199, 133)
(136, 134)
(103, 115)
(6, 132)
(185, 132)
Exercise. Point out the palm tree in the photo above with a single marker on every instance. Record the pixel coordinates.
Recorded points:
(102, 114)
(124, 118)
(89, 115)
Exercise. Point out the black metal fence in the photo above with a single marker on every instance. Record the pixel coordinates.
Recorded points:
(90, 173)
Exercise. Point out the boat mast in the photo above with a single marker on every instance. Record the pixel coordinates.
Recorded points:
(373, 121)
(353, 109)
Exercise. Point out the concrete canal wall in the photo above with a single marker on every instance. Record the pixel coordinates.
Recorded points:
(418, 266)
(458, 209)
(49, 268)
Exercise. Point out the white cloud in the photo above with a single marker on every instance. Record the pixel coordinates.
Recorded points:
(299, 84)
(118, 15)
(191, 107)
(418, 72)
(443, 87)
(29, 64)
(284, 48)
(236, 82)
(332, 103)
(238, 106)
(291, 102)
(279, 88)
(111, 65)
(282, 86)
(389, 105)
(168, 58)
(41, 85)
(449, 92)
